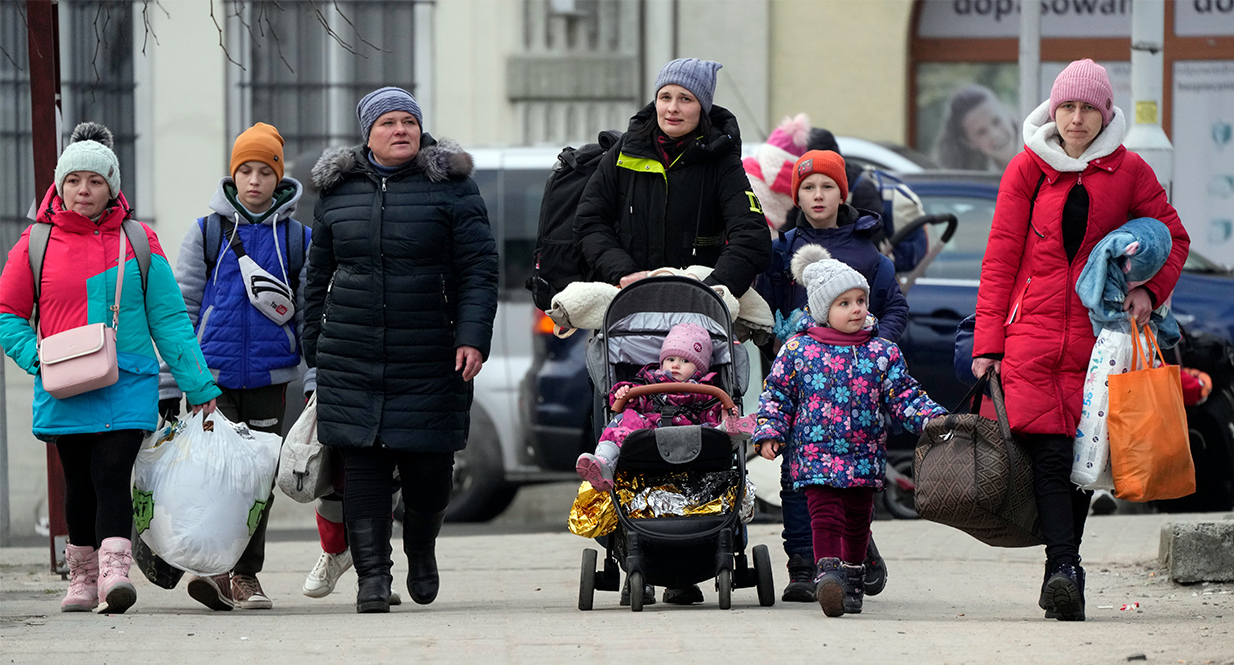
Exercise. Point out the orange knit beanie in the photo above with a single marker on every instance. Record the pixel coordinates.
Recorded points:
(259, 143)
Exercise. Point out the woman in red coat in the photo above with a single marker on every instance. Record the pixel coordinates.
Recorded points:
(1073, 184)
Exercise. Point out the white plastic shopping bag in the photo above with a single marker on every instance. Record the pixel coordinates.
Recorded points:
(200, 486)
(1112, 354)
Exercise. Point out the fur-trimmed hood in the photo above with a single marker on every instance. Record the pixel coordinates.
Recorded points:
(437, 160)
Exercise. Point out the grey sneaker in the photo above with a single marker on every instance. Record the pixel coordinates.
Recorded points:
(246, 592)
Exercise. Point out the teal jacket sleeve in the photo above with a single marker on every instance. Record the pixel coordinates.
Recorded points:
(17, 306)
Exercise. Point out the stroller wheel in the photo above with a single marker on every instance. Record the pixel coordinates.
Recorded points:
(587, 580)
(724, 587)
(762, 569)
(635, 580)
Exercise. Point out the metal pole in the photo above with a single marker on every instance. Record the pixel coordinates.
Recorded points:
(4, 461)
(43, 37)
(1145, 136)
(1030, 56)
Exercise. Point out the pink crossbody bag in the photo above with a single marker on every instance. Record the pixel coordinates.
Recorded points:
(82, 359)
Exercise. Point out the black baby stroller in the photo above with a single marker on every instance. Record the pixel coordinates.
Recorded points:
(674, 551)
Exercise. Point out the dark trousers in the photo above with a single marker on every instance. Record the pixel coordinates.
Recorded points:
(98, 502)
(840, 519)
(1061, 506)
(262, 410)
(426, 480)
(795, 511)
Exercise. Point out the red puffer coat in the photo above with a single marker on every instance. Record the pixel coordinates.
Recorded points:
(1027, 307)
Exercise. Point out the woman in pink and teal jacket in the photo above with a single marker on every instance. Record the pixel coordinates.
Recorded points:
(99, 432)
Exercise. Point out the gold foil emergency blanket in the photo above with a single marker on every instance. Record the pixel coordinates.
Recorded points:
(677, 494)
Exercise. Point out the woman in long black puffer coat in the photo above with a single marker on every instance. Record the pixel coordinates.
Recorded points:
(402, 291)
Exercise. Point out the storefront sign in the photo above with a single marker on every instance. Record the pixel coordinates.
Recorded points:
(1204, 18)
(1001, 18)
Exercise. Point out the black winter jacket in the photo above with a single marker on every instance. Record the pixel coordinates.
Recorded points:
(636, 215)
(402, 270)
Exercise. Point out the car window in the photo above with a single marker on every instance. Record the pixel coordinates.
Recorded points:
(512, 197)
(961, 258)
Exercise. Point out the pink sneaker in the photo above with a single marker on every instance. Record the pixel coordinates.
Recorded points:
(83, 595)
(115, 591)
(595, 470)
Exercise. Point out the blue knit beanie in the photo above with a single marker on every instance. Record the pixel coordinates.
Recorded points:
(381, 101)
(697, 76)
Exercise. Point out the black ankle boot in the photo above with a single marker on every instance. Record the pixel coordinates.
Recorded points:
(830, 582)
(419, 544)
(854, 588)
(1063, 592)
(876, 570)
(800, 587)
(369, 541)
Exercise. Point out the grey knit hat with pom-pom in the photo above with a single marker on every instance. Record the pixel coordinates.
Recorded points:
(89, 149)
(825, 279)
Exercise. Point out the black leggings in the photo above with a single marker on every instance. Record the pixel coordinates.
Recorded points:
(1061, 505)
(426, 479)
(98, 503)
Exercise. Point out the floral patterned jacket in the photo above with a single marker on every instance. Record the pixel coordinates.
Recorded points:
(828, 398)
(644, 412)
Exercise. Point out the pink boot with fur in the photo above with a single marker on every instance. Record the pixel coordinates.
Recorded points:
(83, 594)
(116, 592)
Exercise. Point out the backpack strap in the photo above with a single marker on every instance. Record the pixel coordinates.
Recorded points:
(211, 240)
(40, 232)
(141, 249)
(295, 253)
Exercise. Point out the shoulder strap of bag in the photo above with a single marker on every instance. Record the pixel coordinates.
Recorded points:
(115, 309)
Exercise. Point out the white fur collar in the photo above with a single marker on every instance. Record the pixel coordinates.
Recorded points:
(1041, 136)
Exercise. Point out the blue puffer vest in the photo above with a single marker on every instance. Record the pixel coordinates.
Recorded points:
(243, 347)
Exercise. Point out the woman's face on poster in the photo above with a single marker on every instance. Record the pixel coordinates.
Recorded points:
(988, 129)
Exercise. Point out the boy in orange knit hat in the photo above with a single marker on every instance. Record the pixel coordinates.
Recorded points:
(241, 271)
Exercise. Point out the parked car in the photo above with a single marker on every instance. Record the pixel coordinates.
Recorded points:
(947, 293)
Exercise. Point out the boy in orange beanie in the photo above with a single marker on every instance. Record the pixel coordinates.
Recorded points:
(241, 271)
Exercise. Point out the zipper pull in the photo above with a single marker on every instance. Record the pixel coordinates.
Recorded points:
(383, 184)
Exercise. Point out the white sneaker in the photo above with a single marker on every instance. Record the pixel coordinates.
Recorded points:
(330, 567)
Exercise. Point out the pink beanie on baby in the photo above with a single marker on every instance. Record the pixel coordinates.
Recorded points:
(689, 341)
(1084, 81)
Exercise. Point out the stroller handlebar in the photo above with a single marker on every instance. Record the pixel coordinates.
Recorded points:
(656, 388)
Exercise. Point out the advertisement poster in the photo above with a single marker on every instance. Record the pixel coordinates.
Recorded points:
(1204, 156)
(967, 114)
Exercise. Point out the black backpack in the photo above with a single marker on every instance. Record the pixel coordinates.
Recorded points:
(558, 262)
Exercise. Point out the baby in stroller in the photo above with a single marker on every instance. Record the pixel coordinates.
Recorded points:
(685, 357)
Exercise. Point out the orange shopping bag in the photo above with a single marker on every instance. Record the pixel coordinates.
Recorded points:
(1150, 453)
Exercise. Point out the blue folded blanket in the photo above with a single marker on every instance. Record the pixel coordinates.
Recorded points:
(1132, 253)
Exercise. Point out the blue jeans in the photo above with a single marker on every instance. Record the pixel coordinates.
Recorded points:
(797, 534)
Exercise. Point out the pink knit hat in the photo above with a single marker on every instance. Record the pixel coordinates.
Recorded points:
(791, 135)
(1084, 81)
(689, 341)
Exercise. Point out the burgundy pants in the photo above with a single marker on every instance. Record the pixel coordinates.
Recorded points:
(840, 519)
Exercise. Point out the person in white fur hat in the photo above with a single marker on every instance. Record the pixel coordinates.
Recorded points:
(822, 407)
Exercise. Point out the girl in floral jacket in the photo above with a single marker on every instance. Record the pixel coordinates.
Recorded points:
(823, 405)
